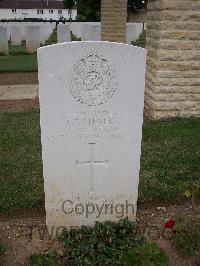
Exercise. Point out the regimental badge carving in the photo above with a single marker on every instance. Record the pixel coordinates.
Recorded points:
(93, 80)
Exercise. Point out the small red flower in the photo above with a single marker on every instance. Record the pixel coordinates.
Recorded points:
(170, 223)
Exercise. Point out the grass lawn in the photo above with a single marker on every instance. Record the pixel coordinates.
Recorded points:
(169, 163)
(141, 41)
(17, 49)
(19, 60)
(21, 183)
(18, 63)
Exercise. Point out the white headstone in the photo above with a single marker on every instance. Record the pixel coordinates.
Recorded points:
(48, 30)
(23, 30)
(91, 103)
(32, 38)
(3, 40)
(133, 31)
(42, 34)
(16, 37)
(91, 32)
(76, 27)
(8, 30)
(63, 33)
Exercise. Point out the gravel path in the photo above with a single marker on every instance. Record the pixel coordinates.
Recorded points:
(24, 234)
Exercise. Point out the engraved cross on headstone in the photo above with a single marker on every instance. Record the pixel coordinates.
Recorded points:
(92, 163)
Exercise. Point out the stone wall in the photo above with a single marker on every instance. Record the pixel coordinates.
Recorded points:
(173, 64)
(113, 19)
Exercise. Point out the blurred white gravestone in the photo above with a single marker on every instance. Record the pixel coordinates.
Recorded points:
(3, 40)
(76, 28)
(48, 30)
(133, 31)
(32, 38)
(91, 103)
(23, 30)
(42, 34)
(16, 36)
(63, 33)
(91, 32)
(8, 30)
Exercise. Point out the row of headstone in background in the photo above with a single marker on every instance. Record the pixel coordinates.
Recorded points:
(33, 33)
(16, 31)
(37, 33)
(85, 30)
(91, 31)
(63, 33)
(33, 37)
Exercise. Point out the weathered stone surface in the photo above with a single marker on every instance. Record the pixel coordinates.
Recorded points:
(3, 40)
(63, 33)
(32, 38)
(113, 20)
(91, 32)
(76, 27)
(91, 106)
(173, 69)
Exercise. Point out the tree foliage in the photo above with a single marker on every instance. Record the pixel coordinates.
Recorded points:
(90, 10)
(137, 4)
(69, 4)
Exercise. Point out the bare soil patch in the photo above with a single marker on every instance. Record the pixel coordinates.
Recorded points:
(22, 105)
(18, 78)
(23, 234)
